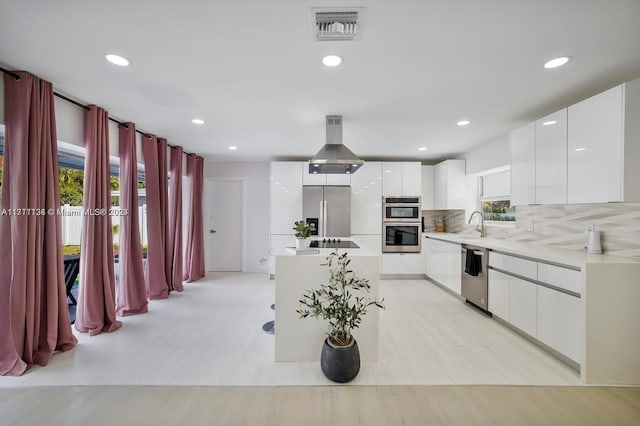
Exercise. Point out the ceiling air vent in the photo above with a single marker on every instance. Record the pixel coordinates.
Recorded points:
(336, 25)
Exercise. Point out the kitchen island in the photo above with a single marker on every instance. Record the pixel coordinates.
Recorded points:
(300, 339)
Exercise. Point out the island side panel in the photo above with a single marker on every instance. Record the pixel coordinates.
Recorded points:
(300, 339)
(612, 326)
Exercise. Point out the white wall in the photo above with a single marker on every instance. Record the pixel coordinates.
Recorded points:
(256, 175)
(488, 156)
(69, 122)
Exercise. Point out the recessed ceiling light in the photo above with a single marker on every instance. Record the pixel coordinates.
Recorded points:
(581, 149)
(198, 121)
(387, 171)
(556, 62)
(117, 60)
(549, 123)
(422, 148)
(332, 60)
(463, 123)
(233, 148)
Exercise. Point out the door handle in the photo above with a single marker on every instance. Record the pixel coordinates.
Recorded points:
(212, 231)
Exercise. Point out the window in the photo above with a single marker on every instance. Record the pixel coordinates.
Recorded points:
(495, 198)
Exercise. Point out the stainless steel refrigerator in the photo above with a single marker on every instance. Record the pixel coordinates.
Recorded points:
(329, 209)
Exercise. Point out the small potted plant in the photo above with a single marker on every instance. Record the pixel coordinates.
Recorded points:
(342, 303)
(303, 232)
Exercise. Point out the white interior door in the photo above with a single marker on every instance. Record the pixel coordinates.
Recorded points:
(224, 232)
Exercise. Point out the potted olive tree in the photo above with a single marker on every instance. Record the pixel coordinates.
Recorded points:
(342, 303)
(303, 232)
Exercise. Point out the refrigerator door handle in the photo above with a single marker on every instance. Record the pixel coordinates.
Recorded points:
(321, 220)
(324, 219)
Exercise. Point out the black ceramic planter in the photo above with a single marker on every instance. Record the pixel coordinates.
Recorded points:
(340, 364)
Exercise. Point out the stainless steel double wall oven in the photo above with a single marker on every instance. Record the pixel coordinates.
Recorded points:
(401, 224)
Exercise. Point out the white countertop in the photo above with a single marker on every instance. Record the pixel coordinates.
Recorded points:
(324, 252)
(546, 253)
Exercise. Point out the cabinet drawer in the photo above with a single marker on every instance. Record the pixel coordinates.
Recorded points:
(523, 267)
(557, 276)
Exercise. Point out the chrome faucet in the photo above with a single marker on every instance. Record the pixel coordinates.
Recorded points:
(482, 231)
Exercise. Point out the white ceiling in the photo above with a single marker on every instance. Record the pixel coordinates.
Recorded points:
(253, 72)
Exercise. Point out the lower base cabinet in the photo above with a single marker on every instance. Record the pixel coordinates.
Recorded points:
(498, 303)
(553, 317)
(560, 322)
(523, 302)
(402, 263)
(443, 262)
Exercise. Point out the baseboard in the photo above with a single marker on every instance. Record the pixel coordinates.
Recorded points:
(401, 276)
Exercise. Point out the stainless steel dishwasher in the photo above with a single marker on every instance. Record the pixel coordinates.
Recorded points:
(475, 276)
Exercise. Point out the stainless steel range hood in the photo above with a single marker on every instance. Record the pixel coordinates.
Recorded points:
(334, 157)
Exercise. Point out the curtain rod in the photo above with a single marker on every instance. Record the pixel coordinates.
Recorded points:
(78, 104)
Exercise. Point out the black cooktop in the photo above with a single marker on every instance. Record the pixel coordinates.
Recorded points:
(333, 243)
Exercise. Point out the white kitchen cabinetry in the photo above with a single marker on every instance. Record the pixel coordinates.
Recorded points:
(402, 263)
(603, 148)
(426, 267)
(560, 322)
(427, 187)
(523, 305)
(401, 178)
(392, 178)
(337, 179)
(523, 294)
(523, 172)
(551, 159)
(554, 316)
(366, 199)
(444, 264)
(286, 196)
(411, 178)
(498, 303)
(449, 188)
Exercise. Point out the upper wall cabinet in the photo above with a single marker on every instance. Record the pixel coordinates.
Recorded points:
(401, 178)
(427, 187)
(366, 199)
(324, 179)
(449, 185)
(523, 172)
(551, 159)
(286, 195)
(604, 146)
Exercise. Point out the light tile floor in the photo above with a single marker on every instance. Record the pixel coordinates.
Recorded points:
(211, 334)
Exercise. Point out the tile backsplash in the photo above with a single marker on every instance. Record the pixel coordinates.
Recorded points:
(566, 226)
(454, 219)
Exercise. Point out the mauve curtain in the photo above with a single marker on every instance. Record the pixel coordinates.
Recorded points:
(34, 316)
(96, 310)
(194, 250)
(175, 219)
(155, 169)
(132, 293)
